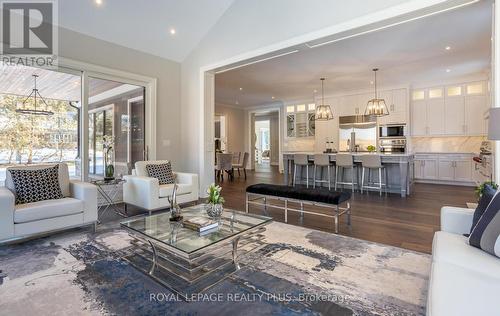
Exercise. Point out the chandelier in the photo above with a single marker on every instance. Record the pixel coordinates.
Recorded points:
(35, 110)
(376, 106)
(323, 111)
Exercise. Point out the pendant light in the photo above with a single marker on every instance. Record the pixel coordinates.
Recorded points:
(376, 106)
(35, 110)
(323, 111)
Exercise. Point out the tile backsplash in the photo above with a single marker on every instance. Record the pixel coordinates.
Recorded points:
(459, 144)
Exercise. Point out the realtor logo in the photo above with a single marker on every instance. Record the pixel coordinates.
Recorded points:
(29, 32)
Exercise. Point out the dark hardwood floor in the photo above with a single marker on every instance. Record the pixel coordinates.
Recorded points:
(403, 222)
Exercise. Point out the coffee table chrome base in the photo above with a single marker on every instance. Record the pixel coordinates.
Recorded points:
(186, 277)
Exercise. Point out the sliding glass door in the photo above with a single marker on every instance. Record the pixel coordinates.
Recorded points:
(116, 127)
(101, 122)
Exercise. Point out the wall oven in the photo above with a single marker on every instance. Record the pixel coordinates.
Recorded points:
(392, 131)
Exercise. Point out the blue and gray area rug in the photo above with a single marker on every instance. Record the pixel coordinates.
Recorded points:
(299, 272)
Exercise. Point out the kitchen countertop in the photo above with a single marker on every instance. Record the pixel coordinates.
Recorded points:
(353, 153)
(445, 152)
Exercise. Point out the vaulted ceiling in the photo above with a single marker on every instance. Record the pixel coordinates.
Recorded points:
(144, 25)
(411, 53)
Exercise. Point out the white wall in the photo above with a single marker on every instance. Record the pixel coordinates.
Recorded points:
(248, 29)
(235, 121)
(87, 49)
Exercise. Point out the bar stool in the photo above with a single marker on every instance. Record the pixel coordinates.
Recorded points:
(345, 162)
(301, 160)
(373, 162)
(322, 161)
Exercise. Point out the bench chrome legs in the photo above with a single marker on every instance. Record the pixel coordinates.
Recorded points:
(301, 213)
(262, 201)
(337, 215)
(348, 213)
(286, 211)
(336, 218)
(265, 206)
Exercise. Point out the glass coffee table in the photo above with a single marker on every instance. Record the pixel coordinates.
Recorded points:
(186, 261)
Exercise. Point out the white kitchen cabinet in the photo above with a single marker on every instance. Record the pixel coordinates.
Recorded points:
(454, 115)
(435, 116)
(430, 170)
(463, 169)
(355, 104)
(396, 101)
(347, 105)
(446, 170)
(475, 107)
(426, 167)
(389, 101)
(456, 110)
(418, 166)
(419, 118)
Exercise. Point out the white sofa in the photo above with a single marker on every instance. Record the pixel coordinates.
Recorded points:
(77, 208)
(146, 192)
(464, 280)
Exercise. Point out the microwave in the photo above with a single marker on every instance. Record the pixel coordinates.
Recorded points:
(392, 131)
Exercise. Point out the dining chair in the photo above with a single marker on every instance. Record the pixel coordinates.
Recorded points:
(224, 163)
(242, 164)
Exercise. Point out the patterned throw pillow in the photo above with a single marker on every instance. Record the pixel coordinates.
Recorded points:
(162, 172)
(486, 234)
(484, 201)
(33, 185)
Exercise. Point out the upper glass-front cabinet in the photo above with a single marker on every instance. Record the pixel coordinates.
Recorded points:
(300, 120)
(290, 125)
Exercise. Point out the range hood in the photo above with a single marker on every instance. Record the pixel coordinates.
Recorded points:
(357, 121)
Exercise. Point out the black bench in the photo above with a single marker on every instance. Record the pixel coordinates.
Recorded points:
(258, 194)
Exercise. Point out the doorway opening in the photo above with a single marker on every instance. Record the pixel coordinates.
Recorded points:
(262, 145)
(265, 141)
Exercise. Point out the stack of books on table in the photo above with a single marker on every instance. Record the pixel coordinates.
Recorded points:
(200, 224)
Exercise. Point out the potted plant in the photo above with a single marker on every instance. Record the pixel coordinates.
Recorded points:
(371, 148)
(109, 169)
(480, 188)
(215, 201)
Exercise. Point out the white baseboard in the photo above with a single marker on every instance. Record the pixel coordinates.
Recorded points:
(457, 183)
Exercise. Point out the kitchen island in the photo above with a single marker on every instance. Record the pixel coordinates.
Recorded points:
(399, 169)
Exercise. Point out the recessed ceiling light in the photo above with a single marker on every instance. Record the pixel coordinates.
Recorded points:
(241, 89)
(448, 70)
(447, 48)
(237, 102)
(172, 31)
(272, 98)
(371, 82)
(98, 2)
(315, 91)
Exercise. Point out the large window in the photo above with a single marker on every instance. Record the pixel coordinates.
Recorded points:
(115, 108)
(31, 138)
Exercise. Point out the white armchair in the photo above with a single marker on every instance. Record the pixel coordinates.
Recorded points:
(145, 192)
(77, 208)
